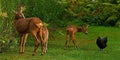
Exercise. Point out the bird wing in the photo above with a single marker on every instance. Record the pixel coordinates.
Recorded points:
(104, 39)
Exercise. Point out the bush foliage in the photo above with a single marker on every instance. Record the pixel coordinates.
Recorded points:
(60, 13)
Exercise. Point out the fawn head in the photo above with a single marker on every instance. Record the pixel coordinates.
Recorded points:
(84, 29)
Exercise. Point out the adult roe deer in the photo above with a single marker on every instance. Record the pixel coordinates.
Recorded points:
(71, 32)
(31, 25)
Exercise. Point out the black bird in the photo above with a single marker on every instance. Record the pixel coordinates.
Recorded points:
(101, 42)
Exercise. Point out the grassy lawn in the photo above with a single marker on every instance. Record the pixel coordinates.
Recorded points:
(87, 49)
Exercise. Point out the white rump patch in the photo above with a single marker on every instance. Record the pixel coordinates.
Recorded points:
(39, 25)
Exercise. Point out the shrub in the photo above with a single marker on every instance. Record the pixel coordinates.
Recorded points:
(111, 20)
(118, 23)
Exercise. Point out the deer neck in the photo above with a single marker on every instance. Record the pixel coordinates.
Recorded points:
(17, 18)
(79, 29)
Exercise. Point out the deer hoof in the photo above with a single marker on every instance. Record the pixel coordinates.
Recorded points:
(21, 52)
(76, 47)
(33, 54)
(42, 54)
(64, 48)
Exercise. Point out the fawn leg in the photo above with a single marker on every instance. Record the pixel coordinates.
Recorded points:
(67, 41)
(42, 48)
(74, 40)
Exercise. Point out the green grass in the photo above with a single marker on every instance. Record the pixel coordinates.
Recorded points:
(87, 49)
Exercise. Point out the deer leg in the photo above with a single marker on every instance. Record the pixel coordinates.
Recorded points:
(47, 34)
(21, 43)
(43, 48)
(74, 40)
(46, 47)
(36, 43)
(36, 47)
(46, 41)
(24, 41)
(67, 41)
(42, 44)
(41, 38)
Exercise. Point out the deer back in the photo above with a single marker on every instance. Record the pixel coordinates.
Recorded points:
(71, 29)
(25, 25)
(35, 23)
(22, 25)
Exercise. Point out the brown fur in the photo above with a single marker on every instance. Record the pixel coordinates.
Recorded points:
(31, 25)
(44, 39)
(43, 35)
(71, 32)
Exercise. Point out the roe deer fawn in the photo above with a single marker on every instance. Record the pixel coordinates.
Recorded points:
(44, 33)
(71, 32)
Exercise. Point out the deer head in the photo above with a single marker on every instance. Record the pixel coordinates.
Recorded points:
(18, 15)
(84, 29)
(19, 12)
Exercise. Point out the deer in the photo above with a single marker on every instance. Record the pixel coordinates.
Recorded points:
(44, 33)
(32, 25)
(71, 31)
